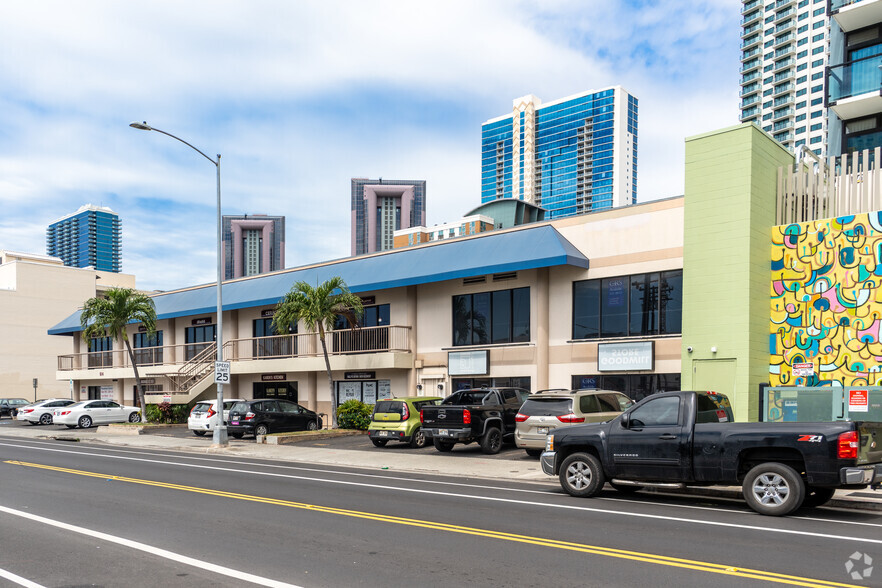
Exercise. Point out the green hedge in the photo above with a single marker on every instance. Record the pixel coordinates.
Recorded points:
(168, 413)
(354, 414)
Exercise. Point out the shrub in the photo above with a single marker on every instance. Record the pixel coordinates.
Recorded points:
(354, 414)
(167, 413)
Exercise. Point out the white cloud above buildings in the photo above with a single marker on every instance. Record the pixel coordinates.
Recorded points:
(298, 97)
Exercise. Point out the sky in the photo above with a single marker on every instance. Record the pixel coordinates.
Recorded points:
(298, 97)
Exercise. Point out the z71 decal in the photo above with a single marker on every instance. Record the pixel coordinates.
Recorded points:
(811, 438)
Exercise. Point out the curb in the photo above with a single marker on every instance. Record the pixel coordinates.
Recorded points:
(836, 501)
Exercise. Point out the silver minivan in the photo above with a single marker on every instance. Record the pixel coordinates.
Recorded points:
(545, 411)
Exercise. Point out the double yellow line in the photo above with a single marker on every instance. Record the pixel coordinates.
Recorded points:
(700, 566)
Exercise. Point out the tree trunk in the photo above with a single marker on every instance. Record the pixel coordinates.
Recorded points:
(137, 382)
(330, 378)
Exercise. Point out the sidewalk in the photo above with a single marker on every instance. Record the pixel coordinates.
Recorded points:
(448, 464)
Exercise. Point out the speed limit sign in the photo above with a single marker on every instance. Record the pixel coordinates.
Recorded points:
(221, 372)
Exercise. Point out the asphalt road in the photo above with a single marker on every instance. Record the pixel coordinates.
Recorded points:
(137, 517)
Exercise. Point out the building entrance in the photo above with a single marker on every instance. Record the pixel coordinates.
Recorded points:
(284, 390)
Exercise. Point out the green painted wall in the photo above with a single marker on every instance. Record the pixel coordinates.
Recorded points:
(729, 211)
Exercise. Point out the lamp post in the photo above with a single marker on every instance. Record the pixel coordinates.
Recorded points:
(220, 431)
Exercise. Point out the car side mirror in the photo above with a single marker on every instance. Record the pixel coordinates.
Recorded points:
(626, 421)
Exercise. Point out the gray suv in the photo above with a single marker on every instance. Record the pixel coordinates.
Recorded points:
(545, 411)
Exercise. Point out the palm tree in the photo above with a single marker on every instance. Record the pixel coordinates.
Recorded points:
(112, 314)
(319, 309)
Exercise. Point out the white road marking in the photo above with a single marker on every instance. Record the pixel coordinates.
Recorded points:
(19, 580)
(204, 565)
(507, 500)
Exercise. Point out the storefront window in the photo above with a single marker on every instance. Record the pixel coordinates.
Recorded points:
(502, 316)
(635, 386)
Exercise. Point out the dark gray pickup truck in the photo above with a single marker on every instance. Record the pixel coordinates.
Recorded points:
(485, 415)
(688, 438)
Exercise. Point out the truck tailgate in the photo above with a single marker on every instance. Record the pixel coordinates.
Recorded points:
(442, 416)
(870, 448)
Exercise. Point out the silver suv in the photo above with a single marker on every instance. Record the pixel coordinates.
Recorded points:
(545, 411)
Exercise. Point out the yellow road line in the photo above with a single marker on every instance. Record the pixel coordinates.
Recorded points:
(714, 568)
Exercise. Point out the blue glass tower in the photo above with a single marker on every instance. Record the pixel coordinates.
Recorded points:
(569, 156)
(90, 237)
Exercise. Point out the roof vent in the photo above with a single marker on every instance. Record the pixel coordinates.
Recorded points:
(505, 276)
(474, 280)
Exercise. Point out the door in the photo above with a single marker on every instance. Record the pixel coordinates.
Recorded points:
(115, 413)
(292, 416)
(653, 446)
(511, 404)
(272, 416)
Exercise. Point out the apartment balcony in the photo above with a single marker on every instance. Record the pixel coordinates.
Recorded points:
(752, 89)
(750, 53)
(784, 39)
(782, 3)
(788, 49)
(782, 113)
(782, 137)
(754, 29)
(783, 101)
(781, 125)
(854, 89)
(298, 352)
(855, 14)
(748, 101)
(753, 16)
(750, 66)
(783, 89)
(785, 26)
(787, 13)
(784, 64)
(750, 112)
(748, 6)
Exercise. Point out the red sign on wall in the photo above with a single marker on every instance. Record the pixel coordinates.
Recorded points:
(858, 401)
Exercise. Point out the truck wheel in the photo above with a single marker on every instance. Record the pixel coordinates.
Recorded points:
(443, 446)
(773, 489)
(626, 488)
(379, 442)
(581, 475)
(491, 442)
(817, 496)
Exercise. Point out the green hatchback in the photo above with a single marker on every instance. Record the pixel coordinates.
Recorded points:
(398, 419)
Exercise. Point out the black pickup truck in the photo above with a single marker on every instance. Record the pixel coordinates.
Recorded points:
(486, 415)
(688, 438)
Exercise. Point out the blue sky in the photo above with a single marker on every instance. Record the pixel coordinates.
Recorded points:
(299, 97)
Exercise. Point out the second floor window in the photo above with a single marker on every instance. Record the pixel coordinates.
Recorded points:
(486, 318)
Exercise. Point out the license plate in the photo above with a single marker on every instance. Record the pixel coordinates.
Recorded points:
(383, 433)
(542, 430)
(442, 431)
(234, 423)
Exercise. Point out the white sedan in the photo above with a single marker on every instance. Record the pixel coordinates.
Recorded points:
(42, 411)
(86, 413)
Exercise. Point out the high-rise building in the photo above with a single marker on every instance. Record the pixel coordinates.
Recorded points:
(569, 156)
(854, 76)
(381, 207)
(785, 48)
(89, 237)
(253, 244)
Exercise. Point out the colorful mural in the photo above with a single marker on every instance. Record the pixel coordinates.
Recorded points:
(826, 302)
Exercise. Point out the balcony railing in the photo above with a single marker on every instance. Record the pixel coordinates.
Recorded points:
(854, 78)
(363, 340)
(835, 5)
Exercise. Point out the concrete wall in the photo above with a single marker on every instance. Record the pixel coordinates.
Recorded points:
(729, 213)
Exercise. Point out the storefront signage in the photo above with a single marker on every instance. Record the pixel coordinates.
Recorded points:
(384, 389)
(359, 375)
(468, 363)
(201, 321)
(106, 392)
(620, 357)
(369, 392)
(803, 370)
(267, 313)
(858, 401)
(142, 329)
(147, 381)
(166, 398)
(272, 377)
(366, 300)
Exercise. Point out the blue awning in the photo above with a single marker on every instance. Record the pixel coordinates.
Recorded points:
(493, 253)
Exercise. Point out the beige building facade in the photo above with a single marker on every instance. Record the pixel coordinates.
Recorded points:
(499, 308)
(36, 292)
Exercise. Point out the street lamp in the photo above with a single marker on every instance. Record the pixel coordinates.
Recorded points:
(220, 431)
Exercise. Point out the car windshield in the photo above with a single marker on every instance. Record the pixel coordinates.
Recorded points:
(389, 406)
(547, 406)
(467, 397)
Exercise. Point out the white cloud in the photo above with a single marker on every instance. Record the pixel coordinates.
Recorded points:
(299, 97)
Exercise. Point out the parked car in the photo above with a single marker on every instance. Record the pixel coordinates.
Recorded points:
(86, 413)
(398, 419)
(201, 419)
(679, 438)
(41, 411)
(485, 415)
(545, 411)
(9, 406)
(261, 417)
